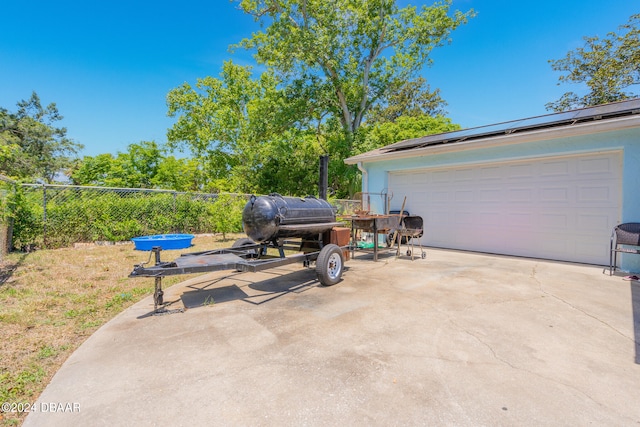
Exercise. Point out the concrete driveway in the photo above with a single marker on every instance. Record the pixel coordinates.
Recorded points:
(456, 339)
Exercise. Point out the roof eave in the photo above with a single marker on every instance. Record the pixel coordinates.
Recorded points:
(578, 129)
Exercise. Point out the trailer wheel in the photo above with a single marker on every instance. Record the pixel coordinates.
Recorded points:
(329, 265)
(245, 241)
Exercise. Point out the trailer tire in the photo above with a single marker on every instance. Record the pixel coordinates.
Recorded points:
(245, 241)
(329, 265)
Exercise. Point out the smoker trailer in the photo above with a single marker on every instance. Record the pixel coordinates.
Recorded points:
(269, 222)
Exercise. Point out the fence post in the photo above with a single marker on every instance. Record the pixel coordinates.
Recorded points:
(175, 208)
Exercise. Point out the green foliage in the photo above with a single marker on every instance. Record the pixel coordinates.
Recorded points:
(607, 66)
(179, 174)
(31, 146)
(288, 165)
(118, 300)
(226, 214)
(143, 165)
(26, 214)
(227, 124)
(23, 383)
(349, 55)
(382, 134)
(93, 170)
(118, 216)
(412, 98)
(330, 69)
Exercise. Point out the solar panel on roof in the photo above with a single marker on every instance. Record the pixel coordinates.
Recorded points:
(457, 135)
(541, 121)
(549, 120)
(607, 109)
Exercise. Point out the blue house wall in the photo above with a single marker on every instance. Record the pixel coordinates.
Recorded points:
(627, 141)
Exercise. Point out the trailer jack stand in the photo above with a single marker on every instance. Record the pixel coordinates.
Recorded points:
(158, 300)
(158, 293)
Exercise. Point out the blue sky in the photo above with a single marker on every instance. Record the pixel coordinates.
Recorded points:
(109, 65)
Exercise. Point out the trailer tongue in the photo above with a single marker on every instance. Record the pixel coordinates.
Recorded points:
(268, 221)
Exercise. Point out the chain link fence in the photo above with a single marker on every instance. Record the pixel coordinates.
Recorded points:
(54, 216)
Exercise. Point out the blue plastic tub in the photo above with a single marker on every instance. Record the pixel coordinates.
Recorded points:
(165, 241)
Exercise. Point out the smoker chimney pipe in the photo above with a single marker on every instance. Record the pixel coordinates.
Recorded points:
(323, 183)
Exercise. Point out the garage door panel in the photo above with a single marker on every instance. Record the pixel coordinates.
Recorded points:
(587, 247)
(436, 217)
(418, 194)
(464, 196)
(419, 178)
(595, 166)
(553, 247)
(520, 195)
(594, 222)
(440, 196)
(465, 218)
(554, 221)
(441, 176)
(490, 174)
(596, 192)
(463, 175)
(490, 195)
(520, 171)
(491, 218)
(554, 169)
(559, 208)
(519, 220)
(554, 194)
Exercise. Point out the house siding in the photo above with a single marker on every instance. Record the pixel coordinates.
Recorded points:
(626, 141)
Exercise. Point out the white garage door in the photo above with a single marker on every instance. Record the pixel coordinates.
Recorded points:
(561, 208)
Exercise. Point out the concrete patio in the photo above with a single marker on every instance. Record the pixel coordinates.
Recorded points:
(458, 338)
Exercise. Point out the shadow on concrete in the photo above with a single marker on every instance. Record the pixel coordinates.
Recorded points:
(253, 292)
(635, 301)
(634, 286)
(213, 291)
(203, 297)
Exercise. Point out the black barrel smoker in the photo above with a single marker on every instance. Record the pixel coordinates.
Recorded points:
(270, 222)
(272, 217)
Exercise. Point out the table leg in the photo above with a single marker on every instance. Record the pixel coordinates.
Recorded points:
(353, 240)
(375, 242)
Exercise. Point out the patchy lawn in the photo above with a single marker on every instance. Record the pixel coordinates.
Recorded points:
(52, 300)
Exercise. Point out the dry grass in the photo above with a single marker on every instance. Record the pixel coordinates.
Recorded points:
(52, 300)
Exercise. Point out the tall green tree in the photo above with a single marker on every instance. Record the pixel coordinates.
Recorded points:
(180, 174)
(412, 98)
(93, 170)
(238, 127)
(351, 61)
(348, 54)
(32, 146)
(608, 66)
(143, 165)
(405, 127)
(330, 67)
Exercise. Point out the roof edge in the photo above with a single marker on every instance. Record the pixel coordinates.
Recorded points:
(569, 130)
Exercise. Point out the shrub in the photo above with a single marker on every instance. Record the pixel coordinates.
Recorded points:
(27, 220)
(91, 215)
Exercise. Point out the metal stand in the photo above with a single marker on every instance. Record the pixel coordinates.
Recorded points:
(158, 293)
